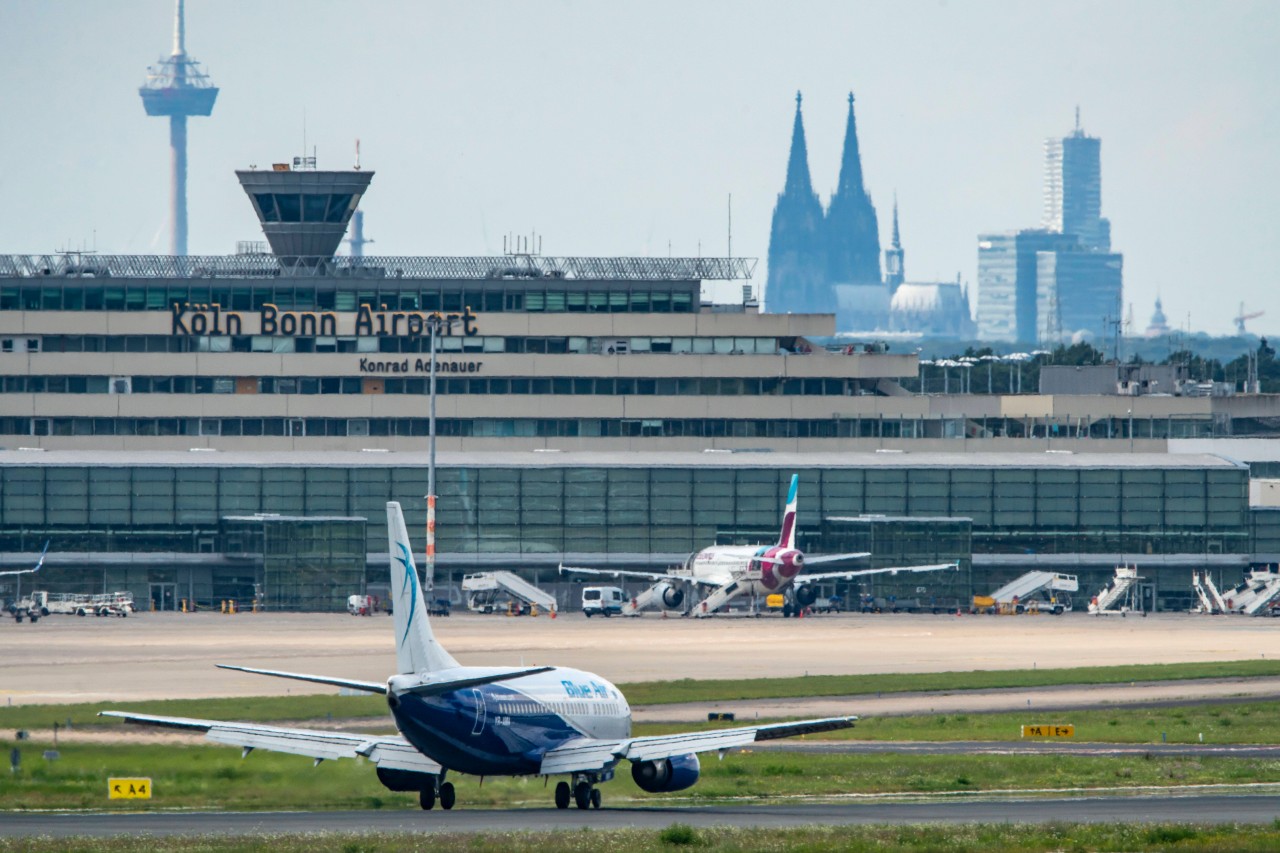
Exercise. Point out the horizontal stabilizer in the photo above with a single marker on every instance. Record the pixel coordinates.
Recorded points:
(833, 558)
(436, 688)
(364, 686)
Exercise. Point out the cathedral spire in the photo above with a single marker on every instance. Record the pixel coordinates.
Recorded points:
(798, 180)
(897, 237)
(894, 257)
(851, 159)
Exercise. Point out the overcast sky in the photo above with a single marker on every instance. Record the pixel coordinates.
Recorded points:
(623, 127)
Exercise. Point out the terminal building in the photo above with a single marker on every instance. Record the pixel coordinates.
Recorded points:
(232, 426)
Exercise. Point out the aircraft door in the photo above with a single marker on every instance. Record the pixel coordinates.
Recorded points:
(478, 696)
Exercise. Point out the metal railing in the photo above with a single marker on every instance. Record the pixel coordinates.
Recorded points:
(519, 267)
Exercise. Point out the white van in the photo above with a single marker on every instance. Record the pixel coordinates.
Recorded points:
(602, 599)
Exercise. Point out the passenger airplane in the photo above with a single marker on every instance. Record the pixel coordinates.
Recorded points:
(734, 570)
(488, 721)
(39, 563)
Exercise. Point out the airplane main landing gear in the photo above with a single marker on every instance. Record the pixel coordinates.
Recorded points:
(562, 795)
(443, 791)
(582, 794)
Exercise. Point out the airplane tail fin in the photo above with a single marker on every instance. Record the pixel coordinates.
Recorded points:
(787, 539)
(417, 649)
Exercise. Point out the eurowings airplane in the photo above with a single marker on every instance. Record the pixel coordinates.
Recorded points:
(39, 563)
(729, 571)
(488, 721)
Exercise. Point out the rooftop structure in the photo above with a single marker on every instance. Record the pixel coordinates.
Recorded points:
(175, 89)
(304, 212)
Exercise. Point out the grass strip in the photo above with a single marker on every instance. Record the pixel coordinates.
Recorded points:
(1190, 837)
(214, 777)
(691, 690)
(320, 706)
(1243, 722)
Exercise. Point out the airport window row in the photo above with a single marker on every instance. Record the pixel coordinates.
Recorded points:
(725, 345)
(837, 427)
(565, 385)
(501, 296)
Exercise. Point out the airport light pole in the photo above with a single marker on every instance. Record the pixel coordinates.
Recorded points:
(433, 326)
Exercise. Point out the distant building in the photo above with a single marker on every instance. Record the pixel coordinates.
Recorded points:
(928, 308)
(1007, 279)
(823, 263)
(1077, 294)
(797, 279)
(1062, 282)
(1159, 325)
(1073, 188)
(852, 232)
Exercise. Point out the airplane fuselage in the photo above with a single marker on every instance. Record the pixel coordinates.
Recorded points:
(505, 727)
(757, 569)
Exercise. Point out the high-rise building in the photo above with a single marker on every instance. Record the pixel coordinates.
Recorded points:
(1007, 279)
(797, 281)
(1073, 188)
(1077, 295)
(1061, 282)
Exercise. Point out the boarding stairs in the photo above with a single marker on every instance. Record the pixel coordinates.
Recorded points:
(483, 591)
(1034, 582)
(1268, 594)
(1207, 603)
(716, 599)
(1117, 594)
(1257, 590)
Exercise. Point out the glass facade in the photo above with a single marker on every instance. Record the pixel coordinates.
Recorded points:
(1026, 510)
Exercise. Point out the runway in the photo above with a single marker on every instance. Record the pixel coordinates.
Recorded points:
(1173, 808)
(987, 747)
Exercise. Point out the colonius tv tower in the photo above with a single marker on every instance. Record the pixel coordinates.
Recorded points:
(177, 88)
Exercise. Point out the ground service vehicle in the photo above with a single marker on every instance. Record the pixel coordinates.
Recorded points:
(602, 601)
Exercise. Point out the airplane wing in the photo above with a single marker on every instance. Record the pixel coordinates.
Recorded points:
(390, 751)
(652, 576)
(39, 563)
(893, 570)
(832, 558)
(588, 754)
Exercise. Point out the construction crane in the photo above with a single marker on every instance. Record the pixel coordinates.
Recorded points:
(1241, 317)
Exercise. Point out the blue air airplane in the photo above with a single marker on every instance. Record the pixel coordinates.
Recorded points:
(488, 721)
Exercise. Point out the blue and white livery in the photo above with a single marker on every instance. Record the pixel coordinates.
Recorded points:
(488, 721)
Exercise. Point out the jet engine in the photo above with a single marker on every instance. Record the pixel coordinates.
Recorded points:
(672, 597)
(667, 774)
(405, 780)
(806, 595)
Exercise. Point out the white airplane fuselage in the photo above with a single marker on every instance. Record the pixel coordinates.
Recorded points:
(757, 569)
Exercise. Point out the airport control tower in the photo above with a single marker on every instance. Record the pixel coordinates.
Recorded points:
(177, 88)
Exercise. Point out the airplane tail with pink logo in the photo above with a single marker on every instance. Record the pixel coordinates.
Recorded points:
(787, 539)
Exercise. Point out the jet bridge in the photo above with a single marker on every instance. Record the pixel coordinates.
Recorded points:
(487, 592)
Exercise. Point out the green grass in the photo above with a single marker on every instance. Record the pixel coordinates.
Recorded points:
(1192, 838)
(1229, 722)
(690, 690)
(312, 706)
(257, 709)
(214, 777)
